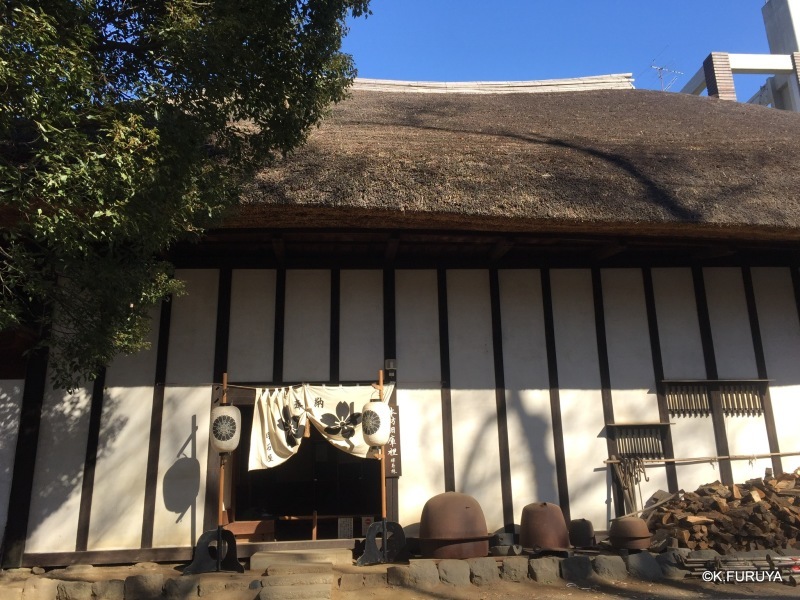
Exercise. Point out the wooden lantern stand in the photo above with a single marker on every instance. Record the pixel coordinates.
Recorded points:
(224, 557)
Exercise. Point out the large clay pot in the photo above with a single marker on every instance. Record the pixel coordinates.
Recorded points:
(226, 428)
(543, 526)
(375, 422)
(452, 525)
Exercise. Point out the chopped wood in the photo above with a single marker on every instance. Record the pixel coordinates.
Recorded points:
(760, 514)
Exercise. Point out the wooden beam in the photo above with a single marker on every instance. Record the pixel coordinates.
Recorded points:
(447, 408)
(506, 491)
(156, 416)
(709, 357)
(30, 422)
(500, 249)
(761, 366)
(559, 449)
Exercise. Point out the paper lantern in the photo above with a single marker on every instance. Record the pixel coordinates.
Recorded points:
(226, 426)
(375, 418)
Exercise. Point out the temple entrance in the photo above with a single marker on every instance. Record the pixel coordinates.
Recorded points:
(318, 478)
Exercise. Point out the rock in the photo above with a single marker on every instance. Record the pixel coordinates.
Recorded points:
(454, 572)
(374, 580)
(181, 588)
(704, 554)
(146, 565)
(78, 568)
(515, 568)
(40, 588)
(610, 567)
(668, 561)
(349, 582)
(420, 573)
(545, 570)
(144, 587)
(37, 571)
(643, 565)
(75, 590)
(576, 568)
(483, 571)
(113, 589)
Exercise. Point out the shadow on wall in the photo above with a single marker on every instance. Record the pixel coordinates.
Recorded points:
(62, 450)
(181, 484)
(543, 471)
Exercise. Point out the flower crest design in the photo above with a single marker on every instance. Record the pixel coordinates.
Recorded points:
(224, 428)
(342, 423)
(291, 427)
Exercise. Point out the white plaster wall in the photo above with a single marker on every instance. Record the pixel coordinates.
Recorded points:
(476, 452)
(418, 393)
(780, 337)
(581, 400)
(120, 472)
(678, 327)
(682, 358)
(307, 326)
(252, 325)
(193, 324)
(58, 475)
(180, 494)
(10, 405)
(530, 423)
(360, 325)
(630, 359)
(733, 349)
(730, 324)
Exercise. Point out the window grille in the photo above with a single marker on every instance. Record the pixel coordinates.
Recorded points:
(643, 440)
(743, 397)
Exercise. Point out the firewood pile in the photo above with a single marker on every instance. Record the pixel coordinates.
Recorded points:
(760, 514)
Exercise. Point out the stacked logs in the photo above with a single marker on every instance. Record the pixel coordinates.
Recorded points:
(759, 514)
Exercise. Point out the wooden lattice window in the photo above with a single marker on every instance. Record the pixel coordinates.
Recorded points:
(638, 440)
(738, 397)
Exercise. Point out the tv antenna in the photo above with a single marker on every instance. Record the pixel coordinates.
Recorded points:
(662, 71)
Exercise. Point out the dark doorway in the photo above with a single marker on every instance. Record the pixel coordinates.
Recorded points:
(320, 477)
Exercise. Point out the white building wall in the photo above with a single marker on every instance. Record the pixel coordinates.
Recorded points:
(307, 326)
(682, 358)
(180, 494)
(120, 472)
(530, 423)
(418, 393)
(360, 325)
(733, 348)
(476, 452)
(252, 325)
(780, 336)
(10, 406)
(581, 400)
(630, 359)
(58, 475)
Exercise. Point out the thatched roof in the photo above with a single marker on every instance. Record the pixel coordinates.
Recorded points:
(610, 160)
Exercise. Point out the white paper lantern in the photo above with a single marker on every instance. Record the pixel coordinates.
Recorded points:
(226, 426)
(375, 417)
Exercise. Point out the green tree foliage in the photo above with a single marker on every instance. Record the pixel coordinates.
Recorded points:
(126, 125)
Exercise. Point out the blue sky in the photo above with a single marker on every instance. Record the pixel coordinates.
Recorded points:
(468, 40)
